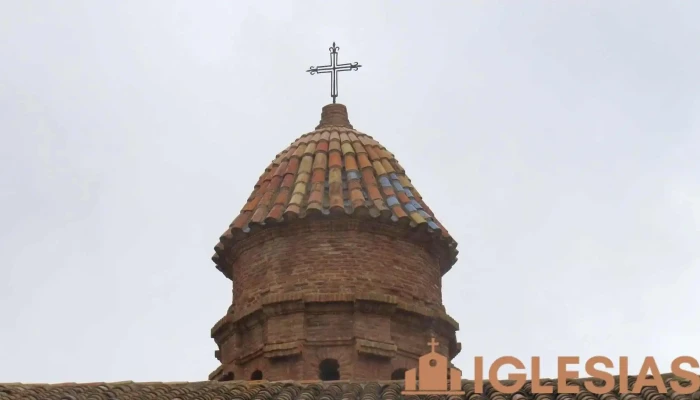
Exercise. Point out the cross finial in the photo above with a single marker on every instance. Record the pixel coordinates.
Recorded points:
(432, 344)
(333, 68)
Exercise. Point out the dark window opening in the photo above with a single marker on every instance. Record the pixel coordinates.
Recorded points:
(329, 370)
(256, 376)
(398, 374)
(228, 377)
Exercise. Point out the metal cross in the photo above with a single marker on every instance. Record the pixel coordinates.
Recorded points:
(333, 68)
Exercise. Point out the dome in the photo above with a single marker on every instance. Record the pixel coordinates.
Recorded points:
(336, 171)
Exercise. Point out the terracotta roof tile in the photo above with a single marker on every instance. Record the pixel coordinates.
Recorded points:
(292, 166)
(292, 211)
(275, 213)
(305, 166)
(288, 181)
(305, 390)
(359, 149)
(334, 160)
(363, 161)
(320, 161)
(351, 162)
(347, 148)
(335, 170)
(311, 148)
(322, 145)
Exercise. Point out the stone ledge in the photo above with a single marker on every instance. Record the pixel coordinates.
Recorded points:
(444, 316)
(303, 298)
(214, 375)
(380, 298)
(249, 356)
(371, 347)
(280, 350)
(280, 305)
(331, 342)
(223, 328)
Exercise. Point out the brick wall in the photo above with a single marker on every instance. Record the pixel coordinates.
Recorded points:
(296, 259)
(323, 268)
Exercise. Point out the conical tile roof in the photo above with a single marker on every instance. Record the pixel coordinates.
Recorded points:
(336, 171)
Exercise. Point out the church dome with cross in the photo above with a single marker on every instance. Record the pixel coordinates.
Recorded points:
(337, 259)
(336, 262)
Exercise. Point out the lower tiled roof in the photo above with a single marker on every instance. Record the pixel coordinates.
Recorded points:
(292, 390)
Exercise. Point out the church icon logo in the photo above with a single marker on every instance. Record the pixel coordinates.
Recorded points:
(434, 371)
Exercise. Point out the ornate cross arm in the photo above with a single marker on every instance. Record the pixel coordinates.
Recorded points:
(333, 68)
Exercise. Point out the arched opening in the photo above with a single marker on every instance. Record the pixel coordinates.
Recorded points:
(256, 376)
(227, 377)
(398, 374)
(329, 370)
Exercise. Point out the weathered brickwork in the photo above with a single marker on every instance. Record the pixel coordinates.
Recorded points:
(327, 261)
(357, 357)
(331, 289)
(336, 264)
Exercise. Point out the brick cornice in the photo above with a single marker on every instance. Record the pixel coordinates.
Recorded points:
(277, 304)
(280, 304)
(214, 375)
(330, 343)
(432, 243)
(252, 354)
(223, 328)
(279, 350)
(375, 348)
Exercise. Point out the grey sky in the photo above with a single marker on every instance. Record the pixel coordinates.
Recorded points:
(557, 141)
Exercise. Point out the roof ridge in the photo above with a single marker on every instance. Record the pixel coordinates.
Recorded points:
(311, 390)
(665, 376)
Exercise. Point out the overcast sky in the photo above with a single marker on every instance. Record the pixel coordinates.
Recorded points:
(559, 143)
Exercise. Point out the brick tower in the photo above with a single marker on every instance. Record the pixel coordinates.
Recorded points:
(336, 265)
